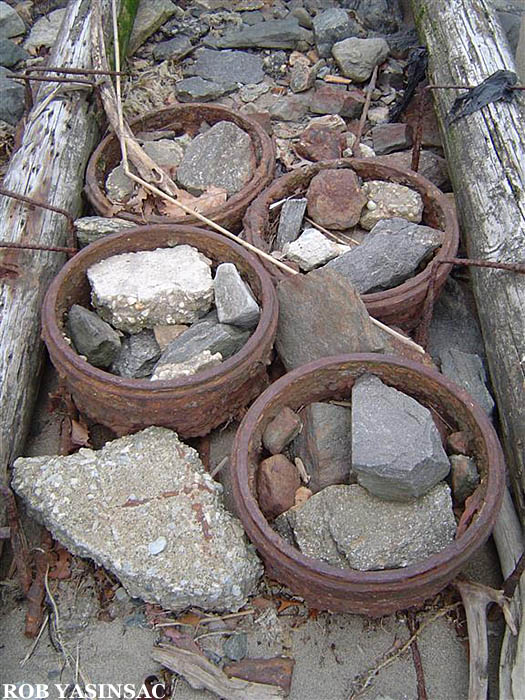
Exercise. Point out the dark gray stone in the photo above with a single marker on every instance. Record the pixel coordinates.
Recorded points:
(200, 90)
(396, 447)
(222, 156)
(290, 222)
(91, 228)
(173, 48)
(399, 43)
(137, 357)
(388, 255)
(331, 26)
(289, 108)
(465, 477)
(272, 34)
(236, 646)
(11, 24)
(12, 98)
(345, 526)
(234, 300)
(92, 337)
(231, 66)
(11, 53)
(380, 15)
(325, 445)
(468, 371)
(307, 332)
(281, 430)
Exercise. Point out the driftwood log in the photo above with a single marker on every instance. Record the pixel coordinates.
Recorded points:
(59, 135)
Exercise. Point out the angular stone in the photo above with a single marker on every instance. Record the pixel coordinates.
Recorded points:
(12, 98)
(272, 34)
(335, 199)
(289, 108)
(234, 299)
(45, 31)
(91, 228)
(197, 363)
(251, 93)
(173, 48)
(119, 187)
(112, 504)
(150, 16)
(468, 371)
(128, 295)
(138, 355)
(281, 430)
(388, 255)
(320, 143)
(325, 445)
(396, 447)
(236, 646)
(222, 156)
(431, 166)
(164, 335)
(331, 26)
(232, 66)
(92, 337)
(302, 77)
(380, 15)
(388, 200)
(11, 24)
(345, 526)
(11, 53)
(313, 249)
(277, 482)
(460, 443)
(277, 671)
(465, 477)
(334, 100)
(303, 17)
(388, 138)
(357, 58)
(166, 153)
(206, 336)
(307, 332)
(290, 222)
(200, 90)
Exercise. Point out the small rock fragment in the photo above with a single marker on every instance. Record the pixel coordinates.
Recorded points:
(236, 646)
(173, 48)
(12, 98)
(390, 200)
(302, 495)
(200, 90)
(137, 356)
(357, 58)
(396, 447)
(460, 443)
(290, 222)
(320, 143)
(335, 200)
(467, 370)
(465, 477)
(313, 249)
(234, 299)
(166, 153)
(157, 546)
(337, 100)
(119, 187)
(11, 53)
(431, 166)
(289, 108)
(277, 671)
(271, 34)
(164, 335)
(232, 66)
(175, 370)
(281, 430)
(388, 138)
(92, 337)
(302, 76)
(277, 482)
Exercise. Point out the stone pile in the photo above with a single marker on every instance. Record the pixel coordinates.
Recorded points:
(365, 483)
(161, 314)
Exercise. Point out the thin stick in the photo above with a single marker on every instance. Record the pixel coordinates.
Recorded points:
(35, 642)
(364, 113)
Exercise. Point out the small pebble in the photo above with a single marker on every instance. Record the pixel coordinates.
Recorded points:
(157, 546)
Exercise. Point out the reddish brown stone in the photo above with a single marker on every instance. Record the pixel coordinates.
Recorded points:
(277, 482)
(264, 119)
(388, 138)
(332, 100)
(335, 199)
(460, 443)
(320, 143)
(431, 166)
(281, 430)
(277, 671)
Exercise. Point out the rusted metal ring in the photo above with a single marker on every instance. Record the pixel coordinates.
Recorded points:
(402, 305)
(347, 590)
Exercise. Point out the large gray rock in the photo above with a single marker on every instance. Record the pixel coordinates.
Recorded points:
(357, 58)
(325, 445)
(231, 66)
(174, 48)
(307, 332)
(12, 98)
(199, 90)
(140, 290)
(331, 26)
(388, 200)
(468, 371)
(396, 447)
(11, 53)
(208, 337)
(167, 153)
(45, 31)
(388, 255)
(137, 357)
(233, 298)
(313, 249)
(290, 221)
(92, 337)
(150, 16)
(144, 507)
(272, 34)
(91, 228)
(222, 156)
(345, 526)
(11, 24)
(380, 15)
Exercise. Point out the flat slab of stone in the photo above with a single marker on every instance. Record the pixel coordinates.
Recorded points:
(387, 200)
(357, 58)
(91, 228)
(271, 34)
(129, 295)
(92, 337)
(145, 508)
(388, 255)
(290, 222)
(335, 200)
(468, 371)
(222, 156)
(313, 249)
(234, 300)
(231, 66)
(397, 452)
(150, 16)
(199, 90)
(347, 527)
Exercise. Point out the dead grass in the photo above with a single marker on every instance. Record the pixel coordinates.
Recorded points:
(150, 88)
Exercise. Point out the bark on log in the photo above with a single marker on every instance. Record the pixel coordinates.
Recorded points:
(49, 166)
(486, 156)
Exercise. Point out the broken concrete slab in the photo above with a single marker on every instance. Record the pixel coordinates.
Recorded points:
(113, 504)
(187, 368)
(234, 300)
(313, 249)
(387, 200)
